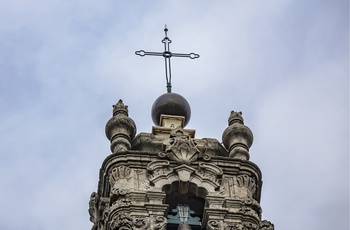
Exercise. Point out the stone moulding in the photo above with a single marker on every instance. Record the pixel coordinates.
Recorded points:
(210, 171)
(147, 173)
(150, 172)
(206, 175)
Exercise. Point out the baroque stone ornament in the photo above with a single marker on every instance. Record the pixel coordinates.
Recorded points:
(237, 138)
(120, 221)
(180, 147)
(158, 170)
(213, 225)
(121, 202)
(266, 225)
(98, 207)
(253, 204)
(120, 179)
(160, 223)
(120, 129)
(247, 182)
(210, 171)
(241, 226)
(247, 211)
(93, 209)
(141, 223)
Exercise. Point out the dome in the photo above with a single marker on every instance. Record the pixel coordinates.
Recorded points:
(171, 104)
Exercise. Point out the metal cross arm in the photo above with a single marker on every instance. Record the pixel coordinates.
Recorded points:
(167, 55)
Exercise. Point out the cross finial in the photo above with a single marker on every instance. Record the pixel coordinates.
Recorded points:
(166, 30)
(167, 55)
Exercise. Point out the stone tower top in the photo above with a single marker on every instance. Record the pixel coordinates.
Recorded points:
(170, 180)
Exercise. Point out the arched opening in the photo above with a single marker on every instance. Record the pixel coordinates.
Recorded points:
(189, 195)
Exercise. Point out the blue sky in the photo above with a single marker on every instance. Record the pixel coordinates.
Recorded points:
(284, 64)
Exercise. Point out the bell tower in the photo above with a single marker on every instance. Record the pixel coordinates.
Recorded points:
(169, 179)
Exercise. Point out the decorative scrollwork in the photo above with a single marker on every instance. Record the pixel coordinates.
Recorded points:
(266, 225)
(213, 225)
(206, 157)
(122, 202)
(157, 169)
(141, 223)
(250, 202)
(210, 171)
(160, 223)
(98, 210)
(241, 226)
(93, 209)
(248, 211)
(121, 221)
(180, 147)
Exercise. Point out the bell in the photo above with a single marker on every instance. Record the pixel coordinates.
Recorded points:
(184, 227)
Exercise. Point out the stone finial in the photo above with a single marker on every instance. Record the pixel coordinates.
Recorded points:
(120, 129)
(235, 117)
(120, 108)
(237, 138)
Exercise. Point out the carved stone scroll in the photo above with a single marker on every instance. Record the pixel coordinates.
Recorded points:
(98, 208)
(94, 217)
(180, 147)
(266, 225)
(158, 170)
(140, 223)
(160, 223)
(213, 225)
(121, 202)
(120, 221)
(210, 171)
(241, 226)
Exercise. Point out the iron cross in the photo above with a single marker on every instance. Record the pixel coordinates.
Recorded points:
(167, 55)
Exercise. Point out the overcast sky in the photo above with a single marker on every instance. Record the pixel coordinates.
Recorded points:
(283, 63)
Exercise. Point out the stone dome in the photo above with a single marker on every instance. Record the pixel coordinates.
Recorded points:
(171, 104)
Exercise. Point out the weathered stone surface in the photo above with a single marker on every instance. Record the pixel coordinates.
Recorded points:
(120, 129)
(237, 137)
(147, 175)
